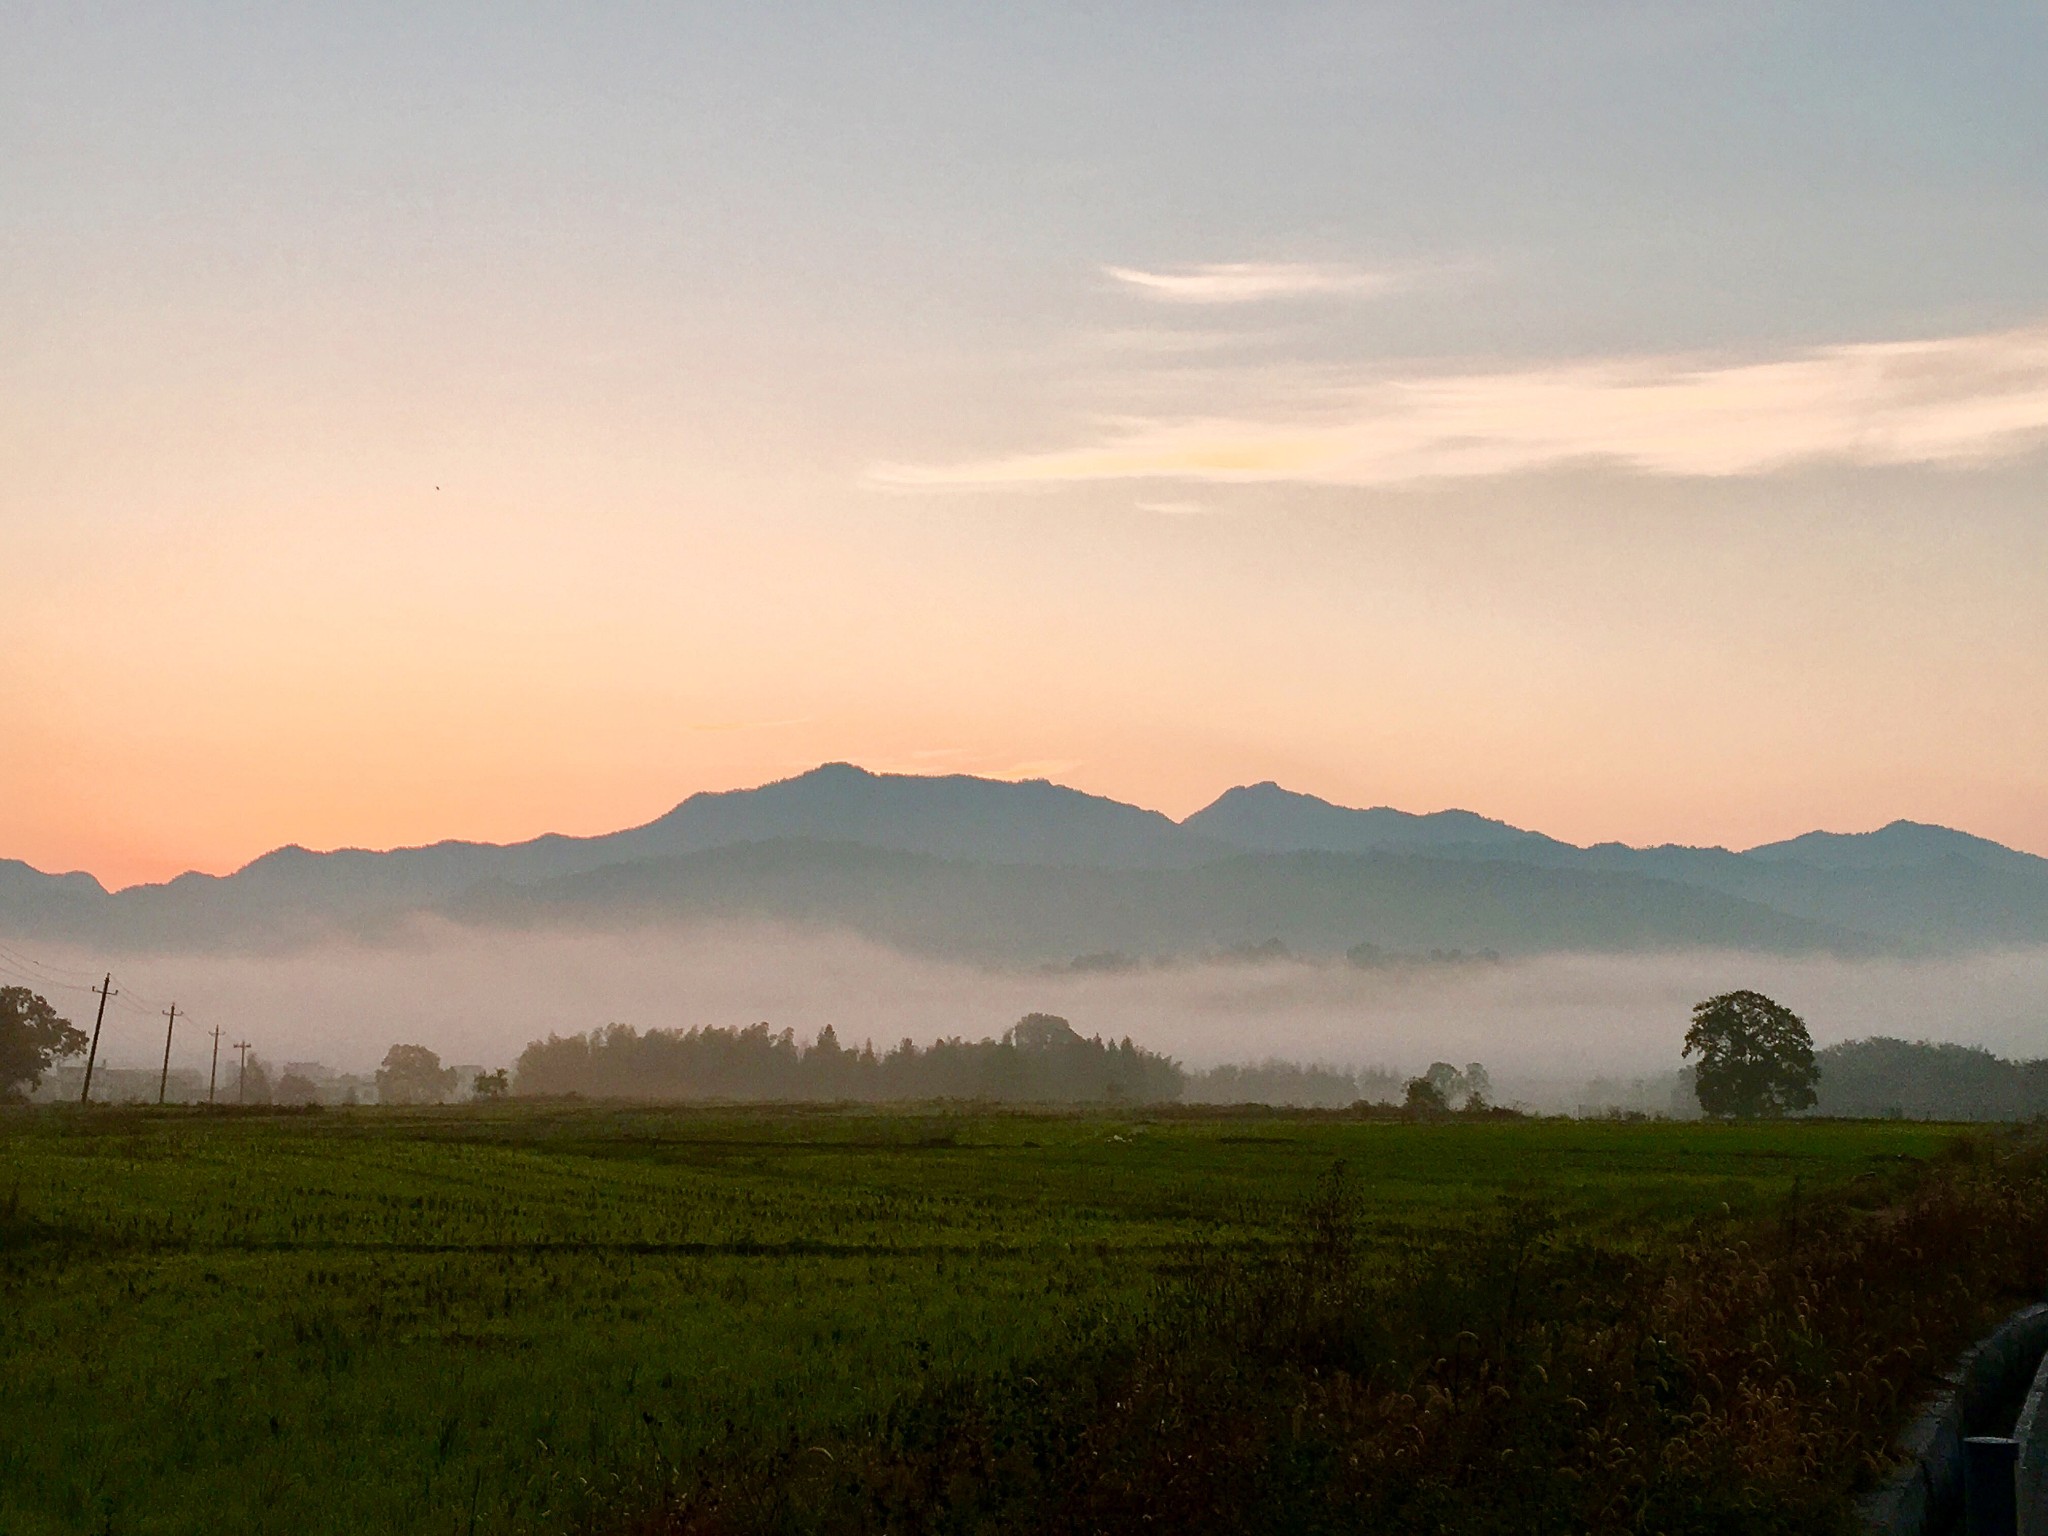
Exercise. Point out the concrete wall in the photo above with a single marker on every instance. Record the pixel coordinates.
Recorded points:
(2030, 1477)
(1986, 1393)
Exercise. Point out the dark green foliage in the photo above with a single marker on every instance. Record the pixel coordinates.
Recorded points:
(1039, 1060)
(1920, 1080)
(1756, 1058)
(412, 1074)
(32, 1037)
(1425, 1098)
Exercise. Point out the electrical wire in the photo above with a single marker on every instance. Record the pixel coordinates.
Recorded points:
(44, 975)
(41, 970)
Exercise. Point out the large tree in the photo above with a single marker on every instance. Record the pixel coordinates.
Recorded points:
(32, 1036)
(1756, 1057)
(412, 1074)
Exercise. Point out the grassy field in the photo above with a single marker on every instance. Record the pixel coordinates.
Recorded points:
(519, 1318)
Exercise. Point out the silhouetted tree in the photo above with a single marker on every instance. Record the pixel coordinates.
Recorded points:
(32, 1038)
(1425, 1098)
(1756, 1057)
(412, 1074)
(1468, 1089)
(296, 1088)
(254, 1084)
(491, 1085)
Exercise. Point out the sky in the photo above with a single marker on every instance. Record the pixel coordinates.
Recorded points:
(471, 421)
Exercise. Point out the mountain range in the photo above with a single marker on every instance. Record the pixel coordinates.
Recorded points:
(1003, 872)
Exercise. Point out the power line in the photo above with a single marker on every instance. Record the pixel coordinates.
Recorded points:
(48, 977)
(142, 1002)
(37, 979)
(77, 976)
(43, 973)
(32, 969)
(42, 984)
(141, 1005)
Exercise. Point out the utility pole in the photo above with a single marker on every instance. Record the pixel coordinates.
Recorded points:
(164, 1082)
(213, 1072)
(242, 1077)
(106, 991)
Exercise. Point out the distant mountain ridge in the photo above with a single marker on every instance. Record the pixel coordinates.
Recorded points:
(1082, 870)
(1265, 818)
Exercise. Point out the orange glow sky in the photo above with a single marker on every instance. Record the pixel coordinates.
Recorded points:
(475, 428)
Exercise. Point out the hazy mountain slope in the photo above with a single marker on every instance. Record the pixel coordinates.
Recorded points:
(1313, 902)
(1909, 886)
(1901, 845)
(1265, 818)
(294, 894)
(33, 904)
(1916, 886)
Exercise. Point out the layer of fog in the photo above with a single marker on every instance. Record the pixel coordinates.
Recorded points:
(1543, 1026)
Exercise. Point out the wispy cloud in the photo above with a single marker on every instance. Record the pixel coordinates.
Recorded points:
(1249, 282)
(1953, 400)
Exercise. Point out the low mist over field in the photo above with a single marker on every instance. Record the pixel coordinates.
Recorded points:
(1544, 1025)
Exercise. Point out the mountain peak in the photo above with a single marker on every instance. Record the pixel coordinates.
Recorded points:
(1896, 845)
(960, 816)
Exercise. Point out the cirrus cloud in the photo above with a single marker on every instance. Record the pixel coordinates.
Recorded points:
(1248, 282)
(1951, 400)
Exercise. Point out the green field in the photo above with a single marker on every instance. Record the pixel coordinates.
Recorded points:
(517, 1318)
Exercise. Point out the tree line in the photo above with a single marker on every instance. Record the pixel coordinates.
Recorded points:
(1920, 1080)
(1039, 1059)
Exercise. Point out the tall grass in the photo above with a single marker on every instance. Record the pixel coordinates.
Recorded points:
(533, 1318)
(1511, 1377)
